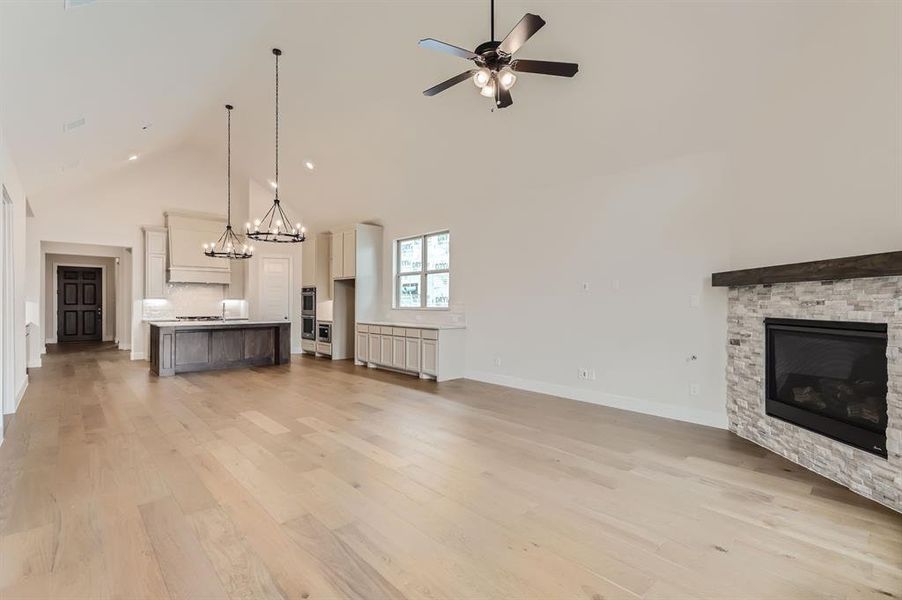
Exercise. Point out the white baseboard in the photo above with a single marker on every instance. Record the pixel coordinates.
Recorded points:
(137, 355)
(35, 364)
(123, 346)
(108, 338)
(51, 340)
(21, 393)
(638, 405)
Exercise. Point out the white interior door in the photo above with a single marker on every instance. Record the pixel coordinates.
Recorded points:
(275, 288)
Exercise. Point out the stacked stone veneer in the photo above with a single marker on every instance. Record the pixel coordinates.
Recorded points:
(875, 300)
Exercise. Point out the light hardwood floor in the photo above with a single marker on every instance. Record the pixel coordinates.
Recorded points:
(322, 480)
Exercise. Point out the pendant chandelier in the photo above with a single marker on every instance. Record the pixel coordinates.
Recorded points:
(275, 226)
(229, 244)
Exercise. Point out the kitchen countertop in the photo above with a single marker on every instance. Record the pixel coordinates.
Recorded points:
(231, 323)
(411, 325)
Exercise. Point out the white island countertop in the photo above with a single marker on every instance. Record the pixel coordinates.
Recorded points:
(218, 323)
(412, 325)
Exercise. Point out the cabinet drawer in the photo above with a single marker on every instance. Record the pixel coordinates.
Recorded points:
(412, 333)
(363, 328)
(399, 331)
(386, 330)
(324, 348)
(430, 334)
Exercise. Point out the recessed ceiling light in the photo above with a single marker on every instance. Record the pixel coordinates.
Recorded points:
(309, 164)
(273, 184)
(133, 157)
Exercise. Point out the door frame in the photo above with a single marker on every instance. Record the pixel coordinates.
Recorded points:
(260, 279)
(8, 393)
(104, 319)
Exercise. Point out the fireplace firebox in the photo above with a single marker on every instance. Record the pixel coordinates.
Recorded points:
(829, 377)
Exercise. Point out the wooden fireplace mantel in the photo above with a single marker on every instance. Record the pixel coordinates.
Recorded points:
(851, 267)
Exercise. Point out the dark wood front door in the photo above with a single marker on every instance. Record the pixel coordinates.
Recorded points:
(78, 304)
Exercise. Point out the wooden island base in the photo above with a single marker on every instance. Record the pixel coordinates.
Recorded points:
(185, 348)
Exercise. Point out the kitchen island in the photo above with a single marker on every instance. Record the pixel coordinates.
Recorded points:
(186, 347)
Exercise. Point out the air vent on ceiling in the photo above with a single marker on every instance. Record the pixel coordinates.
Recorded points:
(73, 124)
(76, 3)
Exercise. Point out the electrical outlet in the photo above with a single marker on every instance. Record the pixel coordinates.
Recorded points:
(497, 361)
(694, 389)
(592, 374)
(615, 285)
(582, 373)
(586, 286)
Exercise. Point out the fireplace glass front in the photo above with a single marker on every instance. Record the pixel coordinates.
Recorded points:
(829, 377)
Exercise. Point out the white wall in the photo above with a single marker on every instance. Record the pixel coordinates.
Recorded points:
(10, 179)
(693, 145)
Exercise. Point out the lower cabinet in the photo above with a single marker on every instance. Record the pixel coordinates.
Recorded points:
(412, 354)
(412, 350)
(361, 346)
(386, 352)
(397, 352)
(430, 357)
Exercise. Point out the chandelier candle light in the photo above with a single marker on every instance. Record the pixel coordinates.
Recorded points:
(229, 244)
(275, 226)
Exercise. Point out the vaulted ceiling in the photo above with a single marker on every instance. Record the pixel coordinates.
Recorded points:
(656, 80)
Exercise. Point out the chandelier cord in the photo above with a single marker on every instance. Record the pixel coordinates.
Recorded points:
(229, 169)
(492, 19)
(277, 126)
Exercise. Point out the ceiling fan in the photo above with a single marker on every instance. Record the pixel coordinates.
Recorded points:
(495, 67)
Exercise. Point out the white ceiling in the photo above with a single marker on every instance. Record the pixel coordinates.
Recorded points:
(656, 79)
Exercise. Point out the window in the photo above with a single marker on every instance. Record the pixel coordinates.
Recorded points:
(423, 271)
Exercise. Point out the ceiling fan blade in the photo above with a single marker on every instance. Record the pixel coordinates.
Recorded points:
(545, 67)
(521, 32)
(449, 82)
(447, 48)
(502, 96)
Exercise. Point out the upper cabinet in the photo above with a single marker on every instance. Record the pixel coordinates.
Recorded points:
(155, 239)
(344, 254)
(316, 265)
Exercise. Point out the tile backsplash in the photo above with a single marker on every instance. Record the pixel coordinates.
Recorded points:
(192, 299)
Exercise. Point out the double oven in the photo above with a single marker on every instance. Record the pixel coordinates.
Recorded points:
(308, 313)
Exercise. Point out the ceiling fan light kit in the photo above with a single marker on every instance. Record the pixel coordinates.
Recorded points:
(229, 245)
(495, 72)
(275, 226)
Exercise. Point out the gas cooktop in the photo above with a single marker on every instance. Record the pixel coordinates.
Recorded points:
(199, 318)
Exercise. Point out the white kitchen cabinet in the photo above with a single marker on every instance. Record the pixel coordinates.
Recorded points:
(386, 351)
(412, 354)
(430, 357)
(155, 243)
(349, 253)
(344, 254)
(398, 347)
(429, 352)
(362, 346)
(308, 263)
(337, 258)
(375, 348)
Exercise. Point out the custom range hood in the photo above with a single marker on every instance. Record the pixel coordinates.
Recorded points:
(188, 234)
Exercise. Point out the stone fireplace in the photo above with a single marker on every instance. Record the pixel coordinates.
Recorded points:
(823, 382)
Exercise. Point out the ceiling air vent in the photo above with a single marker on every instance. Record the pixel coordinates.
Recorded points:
(76, 3)
(67, 127)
